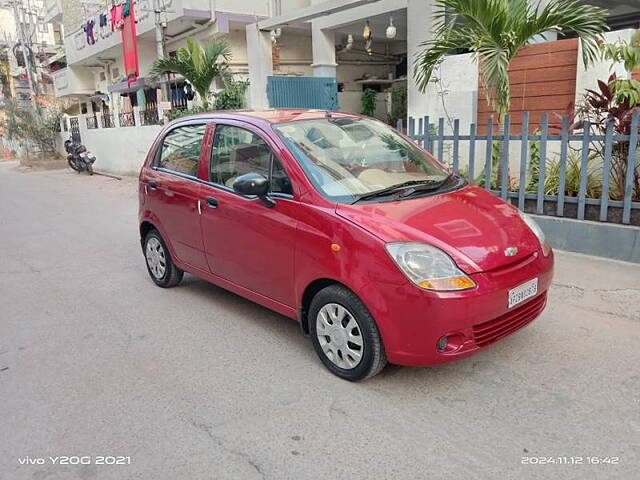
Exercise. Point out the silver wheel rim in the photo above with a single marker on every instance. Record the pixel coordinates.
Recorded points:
(339, 336)
(156, 259)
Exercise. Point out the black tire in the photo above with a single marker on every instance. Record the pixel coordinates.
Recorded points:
(373, 357)
(172, 275)
(90, 169)
(73, 165)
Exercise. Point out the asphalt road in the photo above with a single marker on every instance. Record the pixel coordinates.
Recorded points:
(198, 383)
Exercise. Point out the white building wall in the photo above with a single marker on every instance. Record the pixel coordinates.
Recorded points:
(588, 77)
(453, 95)
(119, 150)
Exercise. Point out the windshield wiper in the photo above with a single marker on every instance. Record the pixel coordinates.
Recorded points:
(424, 184)
(435, 185)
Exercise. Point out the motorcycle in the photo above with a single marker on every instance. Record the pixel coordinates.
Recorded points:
(79, 158)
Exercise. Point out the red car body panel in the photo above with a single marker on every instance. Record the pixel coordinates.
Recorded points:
(272, 255)
(475, 223)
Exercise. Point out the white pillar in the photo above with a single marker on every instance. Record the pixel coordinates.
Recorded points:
(419, 29)
(324, 51)
(260, 64)
(136, 116)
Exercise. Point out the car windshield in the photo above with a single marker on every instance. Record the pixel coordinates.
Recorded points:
(348, 159)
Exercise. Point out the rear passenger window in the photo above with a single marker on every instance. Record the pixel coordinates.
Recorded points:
(237, 151)
(181, 149)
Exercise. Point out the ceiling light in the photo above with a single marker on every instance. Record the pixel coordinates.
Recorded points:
(349, 44)
(366, 32)
(391, 29)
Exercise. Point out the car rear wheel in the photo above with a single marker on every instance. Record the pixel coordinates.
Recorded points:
(160, 266)
(345, 335)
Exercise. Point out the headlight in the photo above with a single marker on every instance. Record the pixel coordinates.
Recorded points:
(428, 267)
(537, 231)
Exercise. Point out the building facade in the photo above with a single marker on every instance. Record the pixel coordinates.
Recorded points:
(24, 22)
(359, 44)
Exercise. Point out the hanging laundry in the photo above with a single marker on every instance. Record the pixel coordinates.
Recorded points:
(126, 10)
(140, 98)
(104, 30)
(88, 30)
(117, 20)
(188, 91)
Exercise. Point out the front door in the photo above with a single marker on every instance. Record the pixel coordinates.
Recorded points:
(173, 189)
(245, 241)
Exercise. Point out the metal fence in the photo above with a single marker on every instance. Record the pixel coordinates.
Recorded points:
(74, 124)
(92, 121)
(593, 174)
(149, 115)
(127, 119)
(107, 120)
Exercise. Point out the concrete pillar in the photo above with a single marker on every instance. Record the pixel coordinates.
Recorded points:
(324, 51)
(323, 46)
(419, 29)
(136, 116)
(260, 64)
(82, 124)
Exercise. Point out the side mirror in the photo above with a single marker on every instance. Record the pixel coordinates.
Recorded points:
(254, 184)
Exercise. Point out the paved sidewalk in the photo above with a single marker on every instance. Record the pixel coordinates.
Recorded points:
(197, 383)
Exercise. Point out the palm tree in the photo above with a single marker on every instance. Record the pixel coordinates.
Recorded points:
(199, 65)
(496, 30)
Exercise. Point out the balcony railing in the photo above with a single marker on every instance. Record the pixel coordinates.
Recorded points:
(79, 47)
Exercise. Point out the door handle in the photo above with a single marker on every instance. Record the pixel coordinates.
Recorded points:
(212, 202)
(153, 184)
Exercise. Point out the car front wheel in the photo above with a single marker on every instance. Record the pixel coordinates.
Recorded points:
(345, 335)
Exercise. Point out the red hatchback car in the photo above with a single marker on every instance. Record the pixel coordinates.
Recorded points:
(339, 221)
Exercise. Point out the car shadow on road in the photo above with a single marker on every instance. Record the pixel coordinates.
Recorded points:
(252, 315)
(491, 366)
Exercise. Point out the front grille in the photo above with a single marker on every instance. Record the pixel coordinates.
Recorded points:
(493, 330)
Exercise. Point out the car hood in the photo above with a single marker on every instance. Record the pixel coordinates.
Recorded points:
(472, 225)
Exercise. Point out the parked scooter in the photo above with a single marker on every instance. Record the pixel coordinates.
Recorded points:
(79, 158)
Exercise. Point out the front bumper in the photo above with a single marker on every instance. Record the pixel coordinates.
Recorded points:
(412, 320)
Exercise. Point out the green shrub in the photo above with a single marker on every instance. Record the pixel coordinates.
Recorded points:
(182, 112)
(572, 182)
(369, 102)
(232, 96)
(36, 127)
(398, 102)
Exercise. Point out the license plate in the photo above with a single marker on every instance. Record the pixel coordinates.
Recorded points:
(522, 292)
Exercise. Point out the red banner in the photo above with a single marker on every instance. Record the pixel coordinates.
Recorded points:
(130, 46)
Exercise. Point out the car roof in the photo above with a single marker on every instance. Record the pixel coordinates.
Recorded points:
(271, 115)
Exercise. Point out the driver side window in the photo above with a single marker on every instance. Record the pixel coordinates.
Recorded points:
(237, 151)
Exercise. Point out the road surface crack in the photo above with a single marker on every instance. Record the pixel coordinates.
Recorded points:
(219, 441)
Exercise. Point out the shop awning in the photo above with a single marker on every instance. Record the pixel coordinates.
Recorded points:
(125, 87)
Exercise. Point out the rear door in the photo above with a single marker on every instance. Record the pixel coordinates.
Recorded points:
(172, 191)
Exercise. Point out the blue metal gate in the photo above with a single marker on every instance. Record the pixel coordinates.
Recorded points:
(302, 92)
